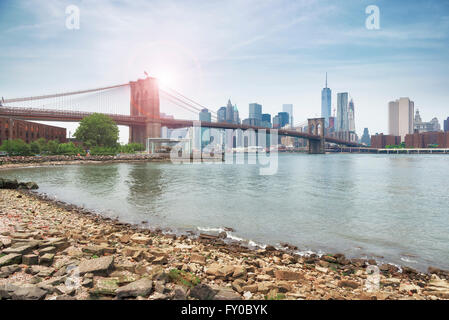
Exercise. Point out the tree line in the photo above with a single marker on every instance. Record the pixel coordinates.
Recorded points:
(98, 134)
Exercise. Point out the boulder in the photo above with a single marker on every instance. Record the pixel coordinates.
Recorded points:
(30, 259)
(28, 293)
(288, 275)
(202, 292)
(137, 288)
(197, 258)
(227, 294)
(348, 284)
(9, 259)
(98, 266)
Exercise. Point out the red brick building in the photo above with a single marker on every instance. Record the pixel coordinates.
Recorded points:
(423, 140)
(11, 129)
(380, 141)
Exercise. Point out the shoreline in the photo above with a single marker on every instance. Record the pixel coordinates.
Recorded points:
(33, 161)
(178, 267)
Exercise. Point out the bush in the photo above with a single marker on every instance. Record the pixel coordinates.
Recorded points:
(35, 148)
(104, 151)
(16, 147)
(68, 149)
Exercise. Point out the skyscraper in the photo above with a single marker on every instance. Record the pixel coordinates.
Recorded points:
(289, 109)
(255, 111)
(229, 112)
(342, 112)
(266, 120)
(400, 117)
(326, 101)
(351, 116)
(283, 119)
(446, 125)
(366, 138)
(205, 115)
(221, 114)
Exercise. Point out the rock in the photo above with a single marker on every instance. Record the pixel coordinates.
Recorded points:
(12, 258)
(239, 272)
(270, 248)
(98, 266)
(329, 258)
(264, 287)
(6, 290)
(247, 295)
(160, 260)
(288, 275)
(157, 296)
(94, 250)
(409, 288)
(180, 293)
(202, 292)
(253, 288)
(348, 284)
(30, 259)
(28, 293)
(437, 287)
(197, 258)
(105, 286)
(140, 239)
(21, 248)
(220, 271)
(137, 288)
(6, 271)
(227, 294)
(46, 259)
(392, 282)
(320, 269)
(283, 287)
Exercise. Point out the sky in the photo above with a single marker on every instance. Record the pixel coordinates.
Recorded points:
(271, 52)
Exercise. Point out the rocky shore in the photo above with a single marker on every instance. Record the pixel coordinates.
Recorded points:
(54, 251)
(19, 162)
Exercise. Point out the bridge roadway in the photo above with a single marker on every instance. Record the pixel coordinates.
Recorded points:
(127, 120)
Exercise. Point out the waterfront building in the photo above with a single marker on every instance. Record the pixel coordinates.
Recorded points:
(431, 126)
(427, 139)
(326, 101)
(380, 141)
(366, 139)
(28, 131)
(289, 109)
(221, 114)
(400, 117)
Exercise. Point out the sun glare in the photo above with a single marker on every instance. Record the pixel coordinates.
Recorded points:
(165, 79)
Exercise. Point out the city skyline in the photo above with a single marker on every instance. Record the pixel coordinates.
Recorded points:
(278, 54)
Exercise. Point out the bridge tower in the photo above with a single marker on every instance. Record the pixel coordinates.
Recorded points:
(316, 127)
(145, 102)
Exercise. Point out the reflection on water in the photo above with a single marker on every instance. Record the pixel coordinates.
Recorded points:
(393, 206)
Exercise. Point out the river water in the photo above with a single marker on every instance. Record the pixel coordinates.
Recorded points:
(393, 208)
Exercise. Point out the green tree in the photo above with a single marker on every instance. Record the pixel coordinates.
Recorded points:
(16, 147)
(68, 149)
(35, 148)
(52, 146)
(97, 130)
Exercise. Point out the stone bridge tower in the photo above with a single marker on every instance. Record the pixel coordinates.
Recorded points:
(145, 102)
(316, 127)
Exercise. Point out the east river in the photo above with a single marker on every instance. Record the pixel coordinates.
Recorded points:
(392, 208)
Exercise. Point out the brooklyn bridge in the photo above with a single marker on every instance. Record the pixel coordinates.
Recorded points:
(145, 119)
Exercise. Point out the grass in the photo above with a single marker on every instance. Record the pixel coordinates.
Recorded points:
(2, 255)
(94, 256)
(187, 279)
(278, 296)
